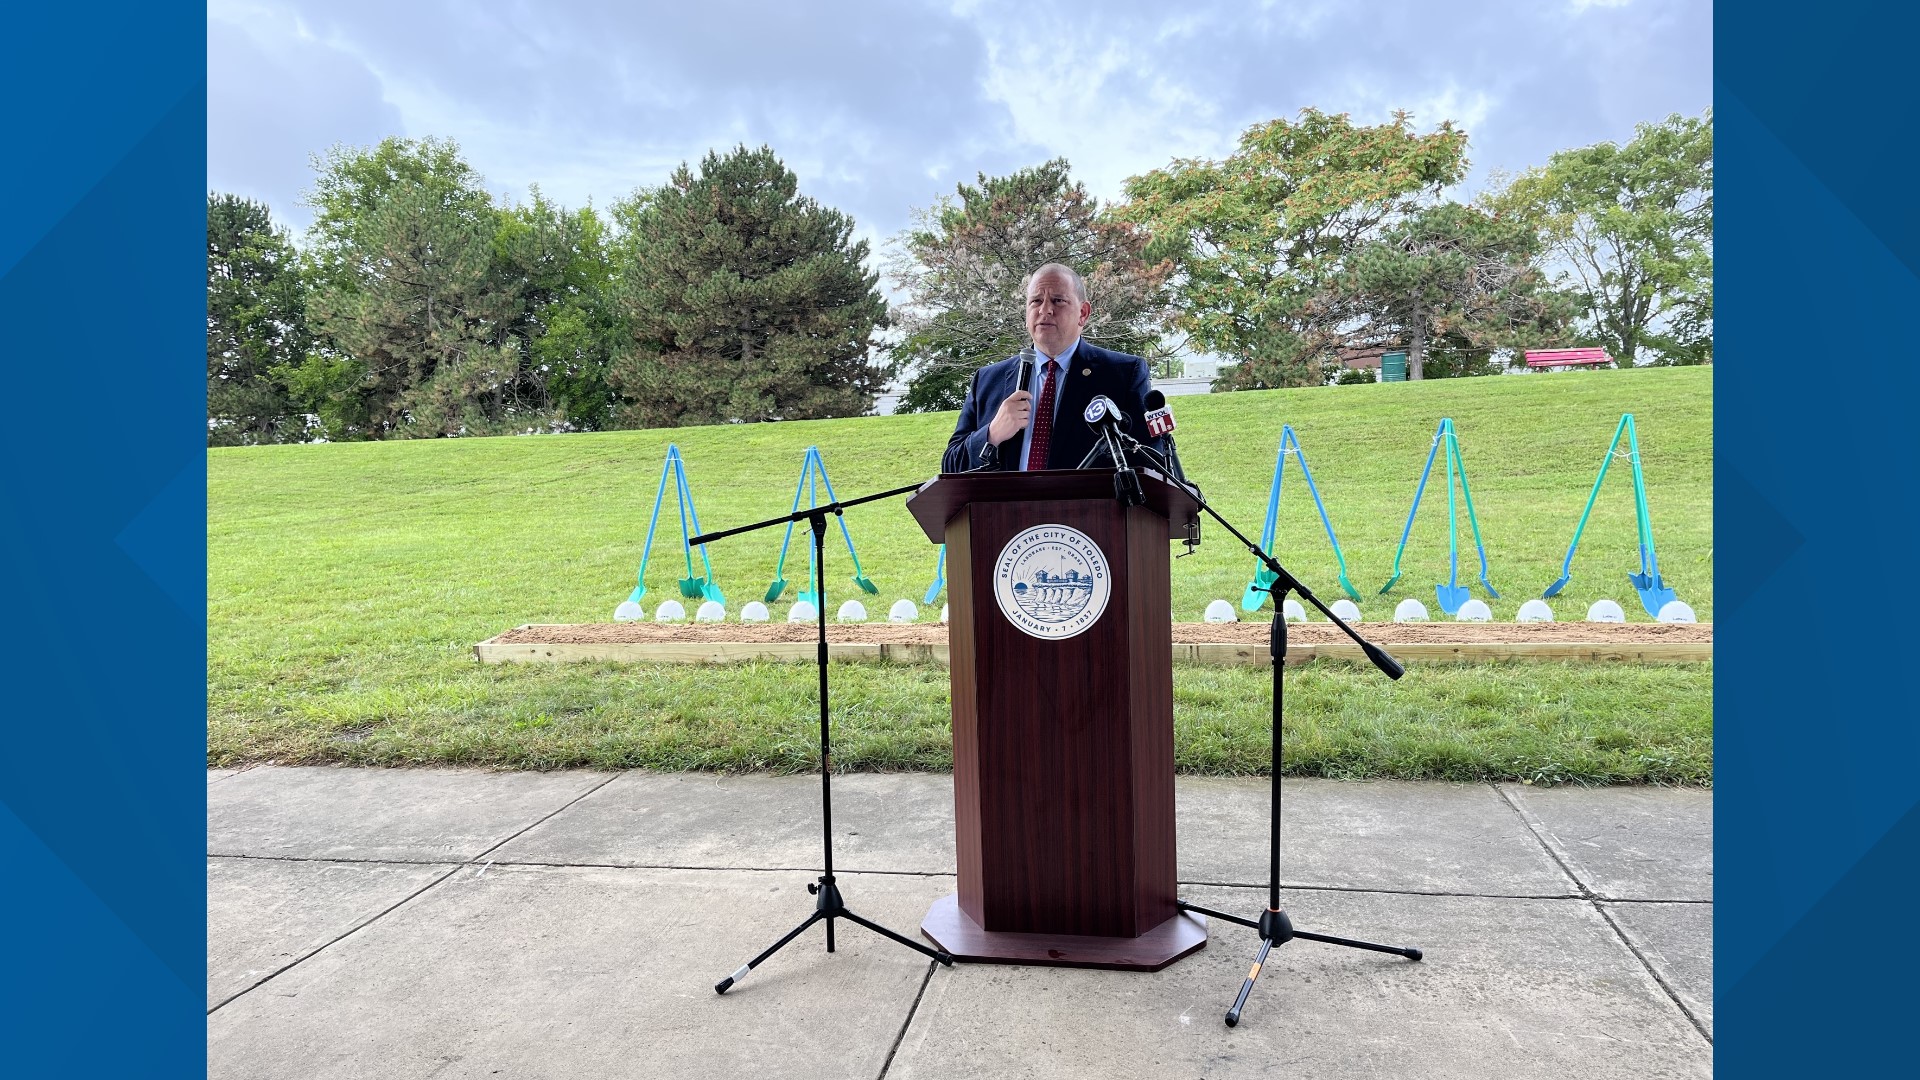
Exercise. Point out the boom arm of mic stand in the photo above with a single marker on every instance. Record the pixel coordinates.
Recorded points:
(1283, 580)
(802, 515)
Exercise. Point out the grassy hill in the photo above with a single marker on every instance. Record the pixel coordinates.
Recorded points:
(347, 581)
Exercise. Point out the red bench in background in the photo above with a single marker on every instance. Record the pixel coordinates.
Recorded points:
(1546, 358)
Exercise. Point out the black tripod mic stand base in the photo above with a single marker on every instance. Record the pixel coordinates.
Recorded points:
(1276, 929)
(829, 906)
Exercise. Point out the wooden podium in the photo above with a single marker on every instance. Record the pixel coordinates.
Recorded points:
(1059, 631)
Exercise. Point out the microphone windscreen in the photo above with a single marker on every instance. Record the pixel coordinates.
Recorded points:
(1155, 400)
(1102, 408)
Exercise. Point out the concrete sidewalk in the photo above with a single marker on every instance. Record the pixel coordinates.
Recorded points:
(456, 923)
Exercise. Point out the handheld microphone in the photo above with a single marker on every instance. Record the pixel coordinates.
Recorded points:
(1025, 368)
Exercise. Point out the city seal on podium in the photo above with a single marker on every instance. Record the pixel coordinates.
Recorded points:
(1052, 582)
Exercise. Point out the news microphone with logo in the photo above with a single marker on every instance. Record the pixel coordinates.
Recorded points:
(1160, 422)
(1105, 417)
(1159, 417)
(1101, 413)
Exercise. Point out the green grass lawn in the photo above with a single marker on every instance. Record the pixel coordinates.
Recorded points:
(347, 582)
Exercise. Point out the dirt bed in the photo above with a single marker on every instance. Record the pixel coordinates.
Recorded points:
(1439, 633)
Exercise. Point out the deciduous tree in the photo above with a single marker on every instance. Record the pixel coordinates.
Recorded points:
(1261, 237)
(1633, 227)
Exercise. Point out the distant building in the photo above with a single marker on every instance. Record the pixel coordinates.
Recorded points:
(1359, 359)
(888, 402)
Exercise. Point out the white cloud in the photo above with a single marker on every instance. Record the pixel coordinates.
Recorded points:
(881, 108)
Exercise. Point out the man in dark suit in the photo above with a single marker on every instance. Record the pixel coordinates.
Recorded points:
(1039, 426)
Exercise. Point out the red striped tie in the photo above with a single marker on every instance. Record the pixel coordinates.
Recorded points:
(1042, 422)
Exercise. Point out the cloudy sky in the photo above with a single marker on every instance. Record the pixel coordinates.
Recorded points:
(881, 106)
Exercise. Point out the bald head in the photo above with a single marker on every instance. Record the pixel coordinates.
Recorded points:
(1061, 269)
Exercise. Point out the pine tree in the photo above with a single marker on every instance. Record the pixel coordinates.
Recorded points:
(1449, 276)
(743, 300)
(964, 266)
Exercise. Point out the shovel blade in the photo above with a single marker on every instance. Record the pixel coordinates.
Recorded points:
(866, 586)
(1641, 581)
(1346, 586)
(1384, 589)
(1654, 599)
(774, 590)
(713, 593)
(638, 592)
(808, 598)
(690, 588)
(1554, 589)
(933, 590)
(1450, 597)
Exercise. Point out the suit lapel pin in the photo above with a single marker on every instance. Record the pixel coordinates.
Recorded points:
(1086, 371)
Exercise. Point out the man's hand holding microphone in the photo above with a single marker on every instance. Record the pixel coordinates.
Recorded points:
(1016, 412)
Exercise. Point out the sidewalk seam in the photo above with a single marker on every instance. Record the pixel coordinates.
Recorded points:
(1295, 887)
(383, 913)
(912, 1011)
(1183, 882)
(1672, 992)
(562, 808)
(1539, 830)
(354, 929)
(236, 772)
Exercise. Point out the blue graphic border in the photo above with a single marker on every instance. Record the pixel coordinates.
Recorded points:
(1817, 801)
(103, 783)
(102, 792)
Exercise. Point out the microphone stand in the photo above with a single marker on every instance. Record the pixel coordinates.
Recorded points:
(1273, 925)
(829, 905)
(1126, 482)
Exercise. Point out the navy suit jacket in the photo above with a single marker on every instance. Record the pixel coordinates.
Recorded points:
(1091, 371)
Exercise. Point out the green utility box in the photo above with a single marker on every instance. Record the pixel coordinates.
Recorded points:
(1393, 367)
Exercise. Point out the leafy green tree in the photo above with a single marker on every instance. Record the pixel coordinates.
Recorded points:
(743, 300)
(965, 262)
(557, 262)
(427, 323)
(1261, 238)
(256, 323)
(1633, 225)
(352, 379)
(442, 314)
(1449, 275)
